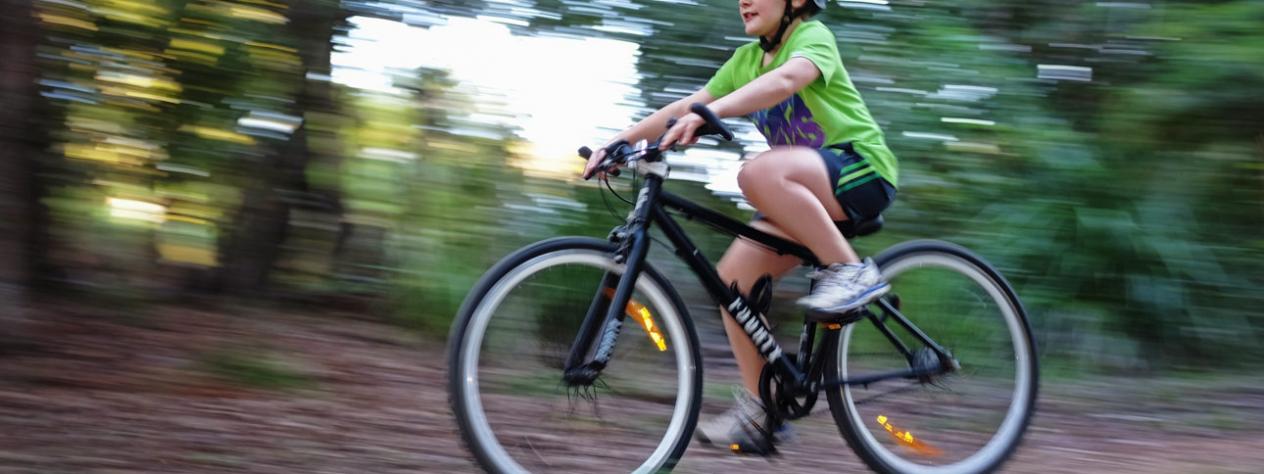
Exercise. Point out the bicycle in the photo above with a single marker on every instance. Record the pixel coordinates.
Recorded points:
(559, 334)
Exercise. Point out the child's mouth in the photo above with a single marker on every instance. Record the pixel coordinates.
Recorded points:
(747, 17)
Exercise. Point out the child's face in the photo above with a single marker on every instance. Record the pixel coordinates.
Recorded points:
(762, 17)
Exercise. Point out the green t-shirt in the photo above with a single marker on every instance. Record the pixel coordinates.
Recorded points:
(828, 111)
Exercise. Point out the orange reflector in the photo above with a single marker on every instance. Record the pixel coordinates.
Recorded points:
(905, 438)
(642, 314)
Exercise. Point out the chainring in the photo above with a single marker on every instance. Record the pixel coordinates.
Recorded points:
(785, 402)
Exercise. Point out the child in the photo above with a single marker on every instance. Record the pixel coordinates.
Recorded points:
(828, 162)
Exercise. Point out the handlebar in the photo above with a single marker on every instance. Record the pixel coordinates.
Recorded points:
(619, 152)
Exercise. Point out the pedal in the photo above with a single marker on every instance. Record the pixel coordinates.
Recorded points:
(763, 446)
(762, 441)
(840, 319)
(752, 450)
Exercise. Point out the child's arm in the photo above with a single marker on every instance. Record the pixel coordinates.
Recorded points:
(650, 127)
(767, 90)
(770, 89)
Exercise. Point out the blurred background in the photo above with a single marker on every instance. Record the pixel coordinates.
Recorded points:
(234, 226)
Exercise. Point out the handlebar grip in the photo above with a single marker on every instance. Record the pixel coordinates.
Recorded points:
(714, 125)
(586, 154)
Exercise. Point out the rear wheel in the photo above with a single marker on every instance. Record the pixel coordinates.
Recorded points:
(965, 421)
(509, 346)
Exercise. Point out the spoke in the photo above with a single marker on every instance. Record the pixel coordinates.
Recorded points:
(874, 396)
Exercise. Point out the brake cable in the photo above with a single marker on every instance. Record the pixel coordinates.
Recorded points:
(635, 177)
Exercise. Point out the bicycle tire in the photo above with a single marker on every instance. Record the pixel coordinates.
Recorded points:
(493, 289)
(904, 452)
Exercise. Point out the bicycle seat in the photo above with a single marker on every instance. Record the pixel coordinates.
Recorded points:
(861, 228)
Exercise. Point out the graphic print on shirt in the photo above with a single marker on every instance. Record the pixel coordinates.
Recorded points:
(790, 123)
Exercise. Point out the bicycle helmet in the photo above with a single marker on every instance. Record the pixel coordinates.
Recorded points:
(807, 10)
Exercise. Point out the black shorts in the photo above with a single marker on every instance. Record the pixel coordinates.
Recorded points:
(857, 187)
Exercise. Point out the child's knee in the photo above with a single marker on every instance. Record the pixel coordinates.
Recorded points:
(756, 173)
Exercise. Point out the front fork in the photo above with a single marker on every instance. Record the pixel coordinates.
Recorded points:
(604, 319)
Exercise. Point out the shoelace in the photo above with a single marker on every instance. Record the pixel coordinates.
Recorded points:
(846, 277)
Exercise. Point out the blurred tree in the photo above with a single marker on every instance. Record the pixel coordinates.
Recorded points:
(1188, 126)
(273, 203)
(107, 89)
(20, 144)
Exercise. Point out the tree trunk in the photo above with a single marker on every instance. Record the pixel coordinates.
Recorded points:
(19, 150)
(264, 226)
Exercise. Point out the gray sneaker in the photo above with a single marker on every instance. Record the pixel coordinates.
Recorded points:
(742, 427)
(843, 287)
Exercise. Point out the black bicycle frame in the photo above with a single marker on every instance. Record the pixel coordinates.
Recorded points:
(605, 316)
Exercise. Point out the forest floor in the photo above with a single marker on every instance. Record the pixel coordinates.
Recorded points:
(181, 390)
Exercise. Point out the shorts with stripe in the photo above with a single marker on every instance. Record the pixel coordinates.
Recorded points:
(862, 193)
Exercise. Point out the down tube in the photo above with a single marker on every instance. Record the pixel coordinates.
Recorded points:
(750, 321)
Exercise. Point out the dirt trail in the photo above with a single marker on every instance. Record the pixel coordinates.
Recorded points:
(91, 394)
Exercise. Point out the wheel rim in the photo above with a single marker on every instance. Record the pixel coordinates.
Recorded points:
(665, 315)
(1008, 430)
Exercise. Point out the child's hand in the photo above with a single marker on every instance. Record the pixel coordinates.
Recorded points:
(594, 160)
(683, 132)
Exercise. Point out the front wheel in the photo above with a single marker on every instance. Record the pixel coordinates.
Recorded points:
(967, 420)
(511, 341)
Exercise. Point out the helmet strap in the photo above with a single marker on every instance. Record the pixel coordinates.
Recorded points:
(770, 44)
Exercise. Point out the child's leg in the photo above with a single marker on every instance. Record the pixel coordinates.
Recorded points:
(791, 186)
(743, 263)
